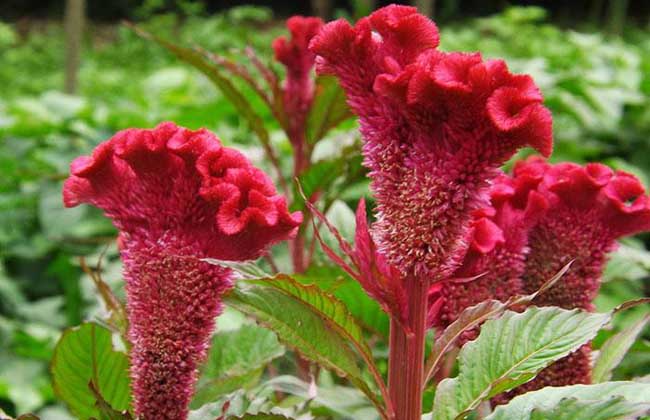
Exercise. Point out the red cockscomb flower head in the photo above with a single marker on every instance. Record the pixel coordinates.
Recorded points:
(590, 207)
(495, 260)
(435, 127)
(299, 61)
(177, 196)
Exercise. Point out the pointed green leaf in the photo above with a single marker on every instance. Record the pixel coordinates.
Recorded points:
(328, 109)
(321, 176)
(509, 352)
(616, 408)
(236, 359)
(474, 316)
(308, 320)
(612, 352)
(106, 411)
(331, 310)
(622, 397)
(317, 177)
(470, 318)
(227, 88)
(84, 355)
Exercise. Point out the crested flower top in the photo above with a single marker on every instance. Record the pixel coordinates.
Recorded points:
(294, 53)
(616, 199)
(590, 207)
(435, 127)
(299, 88)
(173, 181)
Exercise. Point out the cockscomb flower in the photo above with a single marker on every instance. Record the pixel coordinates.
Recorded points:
(177, 197)
(435, 127)
(298, 88)
(495, 260)
(590, 207)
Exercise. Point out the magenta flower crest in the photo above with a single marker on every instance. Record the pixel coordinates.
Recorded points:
(590, 207)
(177, 196)
(299, 88)
(435, 127)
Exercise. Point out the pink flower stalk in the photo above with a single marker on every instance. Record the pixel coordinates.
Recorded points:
(495, 261)
(435, 127)
(590, 207)
(298, 89)
(177, 196)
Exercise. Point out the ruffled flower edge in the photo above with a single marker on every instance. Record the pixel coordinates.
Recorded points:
(242, 196)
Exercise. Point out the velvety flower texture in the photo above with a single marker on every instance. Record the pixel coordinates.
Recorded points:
(495, 261)
(299, 84)
(435, 127)
(590, 207)
(177, 196)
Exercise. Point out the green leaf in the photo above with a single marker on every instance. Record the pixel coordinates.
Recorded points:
(573, 409)
(236, 359)
(474, 316)
(260, 416)
(213, 72)
(361, 306)
(106, 412)
(309, 320)
(332, 310)
(317, 177)
(328, 109)
(612, 352)
(468, 319)
(509, 352)
(324, 174)
(609, 395)
(84, 355)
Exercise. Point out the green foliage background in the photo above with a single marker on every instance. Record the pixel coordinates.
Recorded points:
(598, 88)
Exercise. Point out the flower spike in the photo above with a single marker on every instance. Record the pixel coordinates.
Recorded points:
(590, 208)
(435, 127)
(298, 90)
(177, 196)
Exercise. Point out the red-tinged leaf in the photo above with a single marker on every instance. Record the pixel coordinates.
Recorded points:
(313, 322)
(379, 280)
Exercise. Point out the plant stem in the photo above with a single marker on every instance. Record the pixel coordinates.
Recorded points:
(406, 354)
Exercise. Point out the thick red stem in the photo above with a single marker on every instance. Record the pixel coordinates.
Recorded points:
(406, 357)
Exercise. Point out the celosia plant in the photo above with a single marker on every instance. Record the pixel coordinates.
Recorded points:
(435, 128)
(299, 87)
(590, 207)
(177, 197)
(456, 244)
